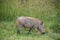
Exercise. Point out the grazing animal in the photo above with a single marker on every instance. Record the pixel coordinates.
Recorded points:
(30, 23)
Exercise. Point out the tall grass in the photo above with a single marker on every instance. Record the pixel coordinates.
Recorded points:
(42, 9)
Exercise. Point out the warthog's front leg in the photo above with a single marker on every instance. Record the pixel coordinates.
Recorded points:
(29, 30)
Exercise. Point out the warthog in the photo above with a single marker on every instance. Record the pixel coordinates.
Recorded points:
(29, 22)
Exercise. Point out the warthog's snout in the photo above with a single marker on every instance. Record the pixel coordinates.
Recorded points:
(43, 33)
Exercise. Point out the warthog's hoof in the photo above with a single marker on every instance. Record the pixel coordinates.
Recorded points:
(18, 32)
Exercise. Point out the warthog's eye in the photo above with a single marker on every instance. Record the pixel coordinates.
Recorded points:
(41, 23)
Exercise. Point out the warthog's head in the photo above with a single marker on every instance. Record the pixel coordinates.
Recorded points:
(42, 28)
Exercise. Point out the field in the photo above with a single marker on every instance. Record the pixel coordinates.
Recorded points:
(8, 32)
(46, 10)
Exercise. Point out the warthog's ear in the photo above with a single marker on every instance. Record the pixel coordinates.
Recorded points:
(41, 23)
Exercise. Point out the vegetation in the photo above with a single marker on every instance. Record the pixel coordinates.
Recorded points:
(46, 10)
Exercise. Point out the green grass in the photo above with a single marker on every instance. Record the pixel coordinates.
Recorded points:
(8, 32)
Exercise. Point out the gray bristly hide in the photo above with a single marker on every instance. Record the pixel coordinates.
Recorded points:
(30, 23)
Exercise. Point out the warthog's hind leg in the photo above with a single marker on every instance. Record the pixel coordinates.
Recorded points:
(18, 29)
